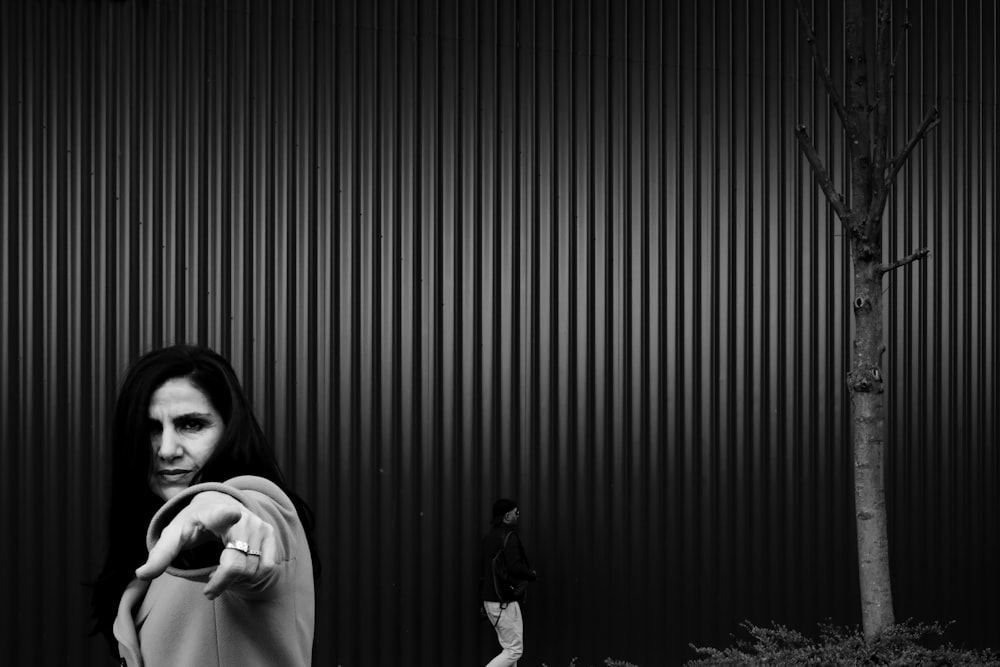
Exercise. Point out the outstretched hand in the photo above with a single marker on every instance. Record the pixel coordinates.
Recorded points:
(214, 515)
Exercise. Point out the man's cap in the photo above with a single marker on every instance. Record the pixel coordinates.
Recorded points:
(502, 506)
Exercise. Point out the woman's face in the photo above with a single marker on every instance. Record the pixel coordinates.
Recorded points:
(184, 428)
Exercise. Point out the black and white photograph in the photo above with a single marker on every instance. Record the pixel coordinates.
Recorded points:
(465, 333)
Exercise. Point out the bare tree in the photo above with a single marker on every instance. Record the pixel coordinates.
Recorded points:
(864, 113)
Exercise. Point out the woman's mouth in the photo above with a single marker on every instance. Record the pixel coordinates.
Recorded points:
(172, 474)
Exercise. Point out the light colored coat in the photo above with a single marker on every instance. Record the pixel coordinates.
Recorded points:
(169, 622)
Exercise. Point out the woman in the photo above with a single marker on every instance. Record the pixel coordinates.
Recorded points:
(228, 576)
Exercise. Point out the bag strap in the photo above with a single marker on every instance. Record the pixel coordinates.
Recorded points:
(493, 568)
(505, 538)
(493, 571)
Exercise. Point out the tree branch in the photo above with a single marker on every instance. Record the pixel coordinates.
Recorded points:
(931, 120)
(822, 176)
(859, 101)
(899, 41)
(831, 88)
(882, 34)
(883, 75)
(886, 73)
(920, 254)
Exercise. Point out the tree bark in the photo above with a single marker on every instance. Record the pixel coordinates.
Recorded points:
(865, 385)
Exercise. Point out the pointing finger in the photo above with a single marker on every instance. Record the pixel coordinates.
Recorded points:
(179, 533)
(186, 530)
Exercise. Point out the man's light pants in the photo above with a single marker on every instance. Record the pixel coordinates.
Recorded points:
(510, 632)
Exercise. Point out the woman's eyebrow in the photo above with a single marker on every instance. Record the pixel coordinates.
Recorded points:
(192, 415)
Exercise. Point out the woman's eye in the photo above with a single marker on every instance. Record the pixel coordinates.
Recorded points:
(191, 425)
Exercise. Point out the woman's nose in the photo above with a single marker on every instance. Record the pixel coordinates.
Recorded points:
(166, 444)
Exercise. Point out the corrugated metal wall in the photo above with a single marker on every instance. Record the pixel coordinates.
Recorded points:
(563, 251)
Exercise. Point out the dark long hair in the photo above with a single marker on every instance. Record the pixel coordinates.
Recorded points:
(242, 449)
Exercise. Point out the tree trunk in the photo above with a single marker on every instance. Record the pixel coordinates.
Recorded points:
(865, 384)
(865, 377)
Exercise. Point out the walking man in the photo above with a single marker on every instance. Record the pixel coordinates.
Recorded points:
(504, 581)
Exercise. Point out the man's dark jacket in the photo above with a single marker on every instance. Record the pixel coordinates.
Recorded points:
(518, 567)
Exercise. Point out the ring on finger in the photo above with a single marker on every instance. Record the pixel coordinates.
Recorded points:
(239, 545)
(254, 552)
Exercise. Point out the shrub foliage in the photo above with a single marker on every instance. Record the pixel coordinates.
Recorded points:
(904, 644)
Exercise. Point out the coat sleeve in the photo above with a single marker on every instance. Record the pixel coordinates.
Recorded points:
(260, 496)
